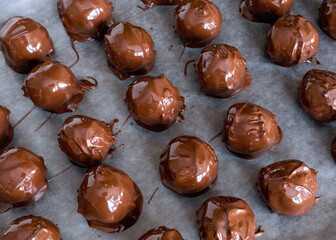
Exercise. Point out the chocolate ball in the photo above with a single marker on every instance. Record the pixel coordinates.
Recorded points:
(327, 18)
(53, 87)
(109, 200)
(333, 149)
(162, 233)
(317, 93)
(188, 166)
(152, 3)
(197, 22)
(154, 103)
(292, 40)
(24, 44)
(225, 218)
(87, 141)
(266, 11)
(249, 131)
(6, 129)
(129, 50)
(221, 71)
(22, 178)
(31, 227)
(288, 187)
(85, 19)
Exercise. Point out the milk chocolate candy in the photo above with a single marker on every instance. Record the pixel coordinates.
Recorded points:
(129, 50)
(54, 88)
(249, 131)
(197, 22)
(22, 178)
(222, 71)
(288, 187)
(292, 40)
(85, 19)
(162, 233)
(188, 166)
(24, 44)
(6, 129)
(109, 199)
(327, 18)
(31, 227)
(154, 103)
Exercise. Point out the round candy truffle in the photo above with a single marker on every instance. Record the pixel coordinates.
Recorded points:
(109, 200)
(292, 40)
(222, 71)
(264, 10)
(31, 227)
(154, 103)
(328, 18)
(249, 131)
(317, 93)
(129, 50)
(53, 87)
(6, 129)
(162, 233)
(85, 19)
(152, 3)
(87, 141)
(22, 178)
(188, 166)
(24, 44)
(226, 218)
(197, 22)
(288, 187)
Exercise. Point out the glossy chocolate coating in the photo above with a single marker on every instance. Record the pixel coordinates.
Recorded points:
(292, 40)
(188, 166)
(154, 103)
(327, 18)
(317, 93)
(152, 3)
(249, 131)
(22, 178)
(31, 227)
(53, 87)
(109, 200)
(333, 149)
(6, 129)
(85, 19)
(288, 187)
(129, 50)
(226, 218)
(24, 44)
(162, 233)
(266, 11)
(87, 141)
(221, 71)
(197, 22)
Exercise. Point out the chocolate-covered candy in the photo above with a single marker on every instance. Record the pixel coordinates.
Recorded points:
(264, 10)
(288, 187)
(197, 22)
(188, 166)
(31, 227)
(221, 71)
(162, 233)
(85, 19)
(24, 44)
(129, 50)
(317, 93)
(6, 129)
(87, 141)
(249, 131)
(154, 103)
(22, 178)
(292, 40)
(226, 218)
(327, 18)
(152, 3)
(53, 87)
(109, 200)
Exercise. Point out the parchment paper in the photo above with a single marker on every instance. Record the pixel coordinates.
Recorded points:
(273, 87)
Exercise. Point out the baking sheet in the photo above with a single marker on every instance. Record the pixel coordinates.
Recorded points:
(273, 87)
